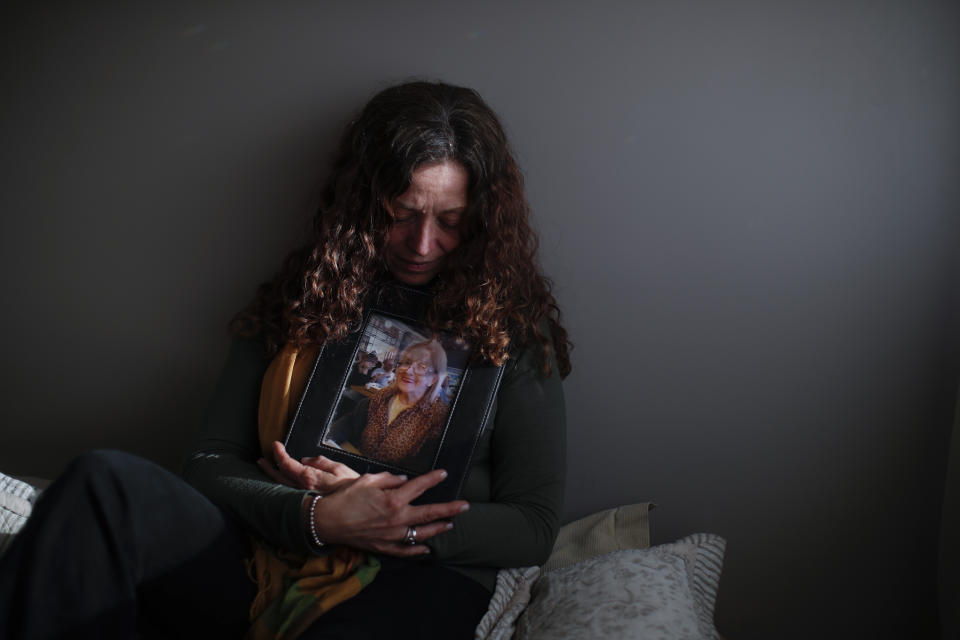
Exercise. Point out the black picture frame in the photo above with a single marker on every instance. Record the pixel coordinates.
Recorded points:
(330, 414)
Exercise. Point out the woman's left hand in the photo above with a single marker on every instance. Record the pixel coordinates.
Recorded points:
(313, 474)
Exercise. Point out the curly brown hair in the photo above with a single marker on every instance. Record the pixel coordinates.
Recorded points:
(491, 290)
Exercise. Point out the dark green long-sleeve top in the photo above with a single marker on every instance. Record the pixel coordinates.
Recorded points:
(515, 484)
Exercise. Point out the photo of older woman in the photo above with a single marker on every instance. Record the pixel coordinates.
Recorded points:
(405, 419)
(401, 423)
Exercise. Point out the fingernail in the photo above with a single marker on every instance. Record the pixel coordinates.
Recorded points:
(443, 474)
(403, 477)
(449, 526)
(426, 550)
(465, 507)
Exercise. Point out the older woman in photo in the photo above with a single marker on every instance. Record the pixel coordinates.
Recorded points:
(404, 417)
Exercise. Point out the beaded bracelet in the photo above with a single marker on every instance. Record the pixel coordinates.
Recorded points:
(313, 523)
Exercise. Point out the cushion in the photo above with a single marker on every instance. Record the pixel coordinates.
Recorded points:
(665, 592)
(625, 527)
(598, 533)
(510, 597)
(16, 503)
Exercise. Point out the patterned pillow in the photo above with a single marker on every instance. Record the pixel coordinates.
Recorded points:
(16, 504)
(666, 592)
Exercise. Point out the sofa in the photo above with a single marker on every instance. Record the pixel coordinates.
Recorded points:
(602, 580)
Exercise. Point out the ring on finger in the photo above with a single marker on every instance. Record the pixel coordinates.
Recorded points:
(411, 537)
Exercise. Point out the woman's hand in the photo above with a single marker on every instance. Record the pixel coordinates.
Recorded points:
(319, 474)
(374, 513)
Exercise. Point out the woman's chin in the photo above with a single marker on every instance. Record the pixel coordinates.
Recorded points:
(413, 279)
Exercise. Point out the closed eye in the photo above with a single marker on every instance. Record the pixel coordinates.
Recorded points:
(404, 214)
(449, 222)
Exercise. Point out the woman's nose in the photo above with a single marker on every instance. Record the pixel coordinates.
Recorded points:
(422, 237)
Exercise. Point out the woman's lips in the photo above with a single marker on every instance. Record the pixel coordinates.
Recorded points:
(417, 266)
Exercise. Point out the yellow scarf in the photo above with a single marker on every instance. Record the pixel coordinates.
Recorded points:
(294, 590)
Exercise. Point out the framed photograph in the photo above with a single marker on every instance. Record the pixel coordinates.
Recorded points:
(397, 397)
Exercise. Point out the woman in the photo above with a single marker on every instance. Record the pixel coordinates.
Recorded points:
(405, 420)
(400, 424)
(423, 191)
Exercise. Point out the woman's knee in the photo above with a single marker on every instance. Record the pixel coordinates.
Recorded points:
(104, 466)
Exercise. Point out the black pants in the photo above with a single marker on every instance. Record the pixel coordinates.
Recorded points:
(118, 545)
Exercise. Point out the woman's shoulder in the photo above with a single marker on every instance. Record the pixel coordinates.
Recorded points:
(440, 402)
(379, 396)
(526, 356)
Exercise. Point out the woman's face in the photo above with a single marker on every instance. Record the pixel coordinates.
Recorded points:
(415, 373)
(427, 222)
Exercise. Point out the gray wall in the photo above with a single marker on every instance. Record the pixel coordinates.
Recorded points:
(749, 209)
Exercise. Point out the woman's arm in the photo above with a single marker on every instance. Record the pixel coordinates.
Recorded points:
(222, 463)
(370, 512)
(516, 523)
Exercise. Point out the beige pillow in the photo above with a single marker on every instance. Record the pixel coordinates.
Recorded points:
(625, 527)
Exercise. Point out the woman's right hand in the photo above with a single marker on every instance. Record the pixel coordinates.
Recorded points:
(313, 474)
(374, 512)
